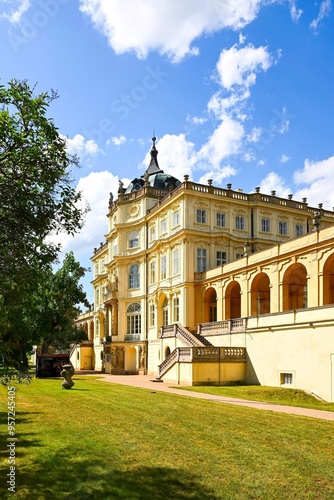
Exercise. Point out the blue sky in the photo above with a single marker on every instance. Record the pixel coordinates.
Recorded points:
(241, 92)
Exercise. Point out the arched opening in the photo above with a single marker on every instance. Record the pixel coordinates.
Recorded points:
(260, 295)
(130, 364)
(162, 310)
(295, 288)
(328, 287)
(233, 301)
(91, 330)
(210, 305)
(167, 351)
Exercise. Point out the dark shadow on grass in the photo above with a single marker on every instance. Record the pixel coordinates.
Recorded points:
(66, 476)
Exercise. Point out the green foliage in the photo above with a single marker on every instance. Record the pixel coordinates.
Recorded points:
(8, 376)
(37, 200)
(59, 297)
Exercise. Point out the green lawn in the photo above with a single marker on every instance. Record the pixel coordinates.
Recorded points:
(108, 441)
(289, 397)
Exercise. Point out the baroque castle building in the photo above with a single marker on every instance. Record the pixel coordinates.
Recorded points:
(196, 284)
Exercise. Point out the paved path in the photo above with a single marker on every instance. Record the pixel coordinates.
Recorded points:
(146, 382)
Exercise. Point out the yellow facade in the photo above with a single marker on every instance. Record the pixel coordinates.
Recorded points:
(187, 267)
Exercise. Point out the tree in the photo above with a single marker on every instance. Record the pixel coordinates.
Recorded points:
(59, 298)
(36, 200)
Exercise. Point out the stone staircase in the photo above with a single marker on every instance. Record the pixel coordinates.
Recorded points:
(189, 339)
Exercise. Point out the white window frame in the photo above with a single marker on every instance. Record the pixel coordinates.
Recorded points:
(283, 228)
(176, 262)
(133, 319)
(265, 225)
(201, 260)
(134, 277)
(176, 309)
(153, 267)
(299, 230)
(221, 219)
(222, 258)
(240, 222)
(163, 267)
(134, 239)
(200, 216)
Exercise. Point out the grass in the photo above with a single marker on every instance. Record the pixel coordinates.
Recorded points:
(288, 397)
(108, 441)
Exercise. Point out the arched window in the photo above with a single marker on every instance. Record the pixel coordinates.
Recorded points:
(134, 277)
(133, 319)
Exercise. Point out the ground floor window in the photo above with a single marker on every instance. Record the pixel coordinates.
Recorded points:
(286, 379)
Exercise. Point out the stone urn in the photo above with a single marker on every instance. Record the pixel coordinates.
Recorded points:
(67, 374)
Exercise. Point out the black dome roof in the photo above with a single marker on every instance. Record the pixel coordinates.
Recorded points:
(153, 175)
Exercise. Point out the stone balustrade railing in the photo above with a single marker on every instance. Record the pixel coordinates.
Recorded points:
(202, 354)
(222, 327)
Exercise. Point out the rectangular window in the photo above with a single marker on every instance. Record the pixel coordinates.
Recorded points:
(286, 378)
(134, 240)
(176, 218)
(220, 219)
(97, 296)
(134, 276)
(201, 260)
(152, 233)
(265, 225)
(152, 315)
(163, 270)
(299, 229)
(134, 324)
(220, 258)
(176, 309)
(176, 262)
(115, 249)
(163, 226)
(282, 227)
(201, 216)
(152, 271)
(96, 269)
(240, 222)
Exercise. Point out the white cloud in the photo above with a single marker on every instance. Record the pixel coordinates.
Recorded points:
(179, 156)
(81, 146)
(273, 182)
(218, 175)
(226, 140)
(318, 180)
(117, 141)
(294, 11)
(16, 12)
(255, 134)
(238, 66)
(196, 120)
(95, 188)
(314, 182)
(167, 26)
(284, 158)
(324, 10)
